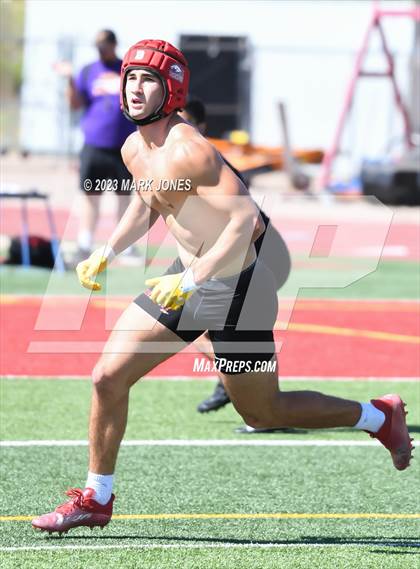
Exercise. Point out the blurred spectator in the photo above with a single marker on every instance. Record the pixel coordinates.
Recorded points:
(96, 90)
(195, 113)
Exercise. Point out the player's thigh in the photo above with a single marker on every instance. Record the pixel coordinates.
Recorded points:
(137, 344)
(204, 345)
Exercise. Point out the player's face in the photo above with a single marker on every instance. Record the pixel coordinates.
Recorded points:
(143, 93)
(105, 47)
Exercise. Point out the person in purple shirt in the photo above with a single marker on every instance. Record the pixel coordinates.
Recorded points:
(96, 90)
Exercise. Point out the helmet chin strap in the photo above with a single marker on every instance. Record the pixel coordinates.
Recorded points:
(156, 116)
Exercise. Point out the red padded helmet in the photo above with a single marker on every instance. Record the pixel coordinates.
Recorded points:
(168, 64)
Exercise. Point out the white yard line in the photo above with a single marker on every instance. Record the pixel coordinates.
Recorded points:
(205, 546)
(202, 443)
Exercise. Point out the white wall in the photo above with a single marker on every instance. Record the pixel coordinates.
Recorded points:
(302, 53)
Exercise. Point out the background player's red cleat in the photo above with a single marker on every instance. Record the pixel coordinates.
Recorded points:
(394, 433)
(80, 510)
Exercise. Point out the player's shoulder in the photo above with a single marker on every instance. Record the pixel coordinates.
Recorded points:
(130, 146)
(190, 152)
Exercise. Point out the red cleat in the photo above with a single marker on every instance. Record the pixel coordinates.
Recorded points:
(81, 510)
(394, 433)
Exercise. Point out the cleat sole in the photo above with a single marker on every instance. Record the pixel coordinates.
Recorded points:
(63, 532)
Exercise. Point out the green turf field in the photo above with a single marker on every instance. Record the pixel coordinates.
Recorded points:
(392, 279)
(254, 490)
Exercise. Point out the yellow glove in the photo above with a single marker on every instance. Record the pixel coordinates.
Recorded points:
(172, 291)
(95, 264)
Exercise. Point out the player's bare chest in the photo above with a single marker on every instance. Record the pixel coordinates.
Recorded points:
(154, 177)
(160, 189)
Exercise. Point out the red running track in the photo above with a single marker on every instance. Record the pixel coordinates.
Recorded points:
(326, 338)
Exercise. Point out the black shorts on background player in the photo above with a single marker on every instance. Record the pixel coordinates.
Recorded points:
(100, 165)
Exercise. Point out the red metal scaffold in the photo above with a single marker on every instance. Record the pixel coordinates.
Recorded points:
(375, 24)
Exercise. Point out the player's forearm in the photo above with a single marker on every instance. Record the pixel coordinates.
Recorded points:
(232, 244)
(75, 101)
(73, 96)
(135, 223)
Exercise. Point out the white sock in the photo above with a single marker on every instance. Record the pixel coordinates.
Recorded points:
(85, 239)
(102, 484)
(371, 418)
(128, 251)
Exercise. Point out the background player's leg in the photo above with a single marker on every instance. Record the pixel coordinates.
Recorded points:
(219, 398)
(123, 203)
(88, 221)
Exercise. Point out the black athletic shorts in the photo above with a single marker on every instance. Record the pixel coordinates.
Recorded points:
(238, 312)
(103, 169)
(273, 252)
